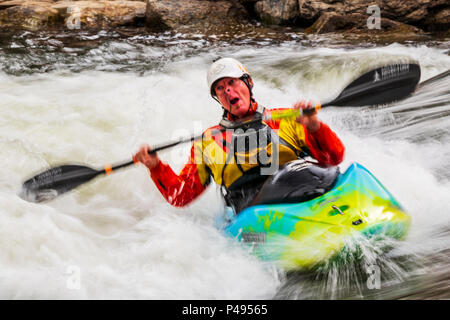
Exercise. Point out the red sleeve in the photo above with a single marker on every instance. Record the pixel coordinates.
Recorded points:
(178, 190)
(325, 146)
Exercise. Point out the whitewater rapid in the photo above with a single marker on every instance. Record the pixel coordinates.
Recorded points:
(116, 237)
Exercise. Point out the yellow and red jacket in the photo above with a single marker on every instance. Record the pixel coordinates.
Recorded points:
(209, 158)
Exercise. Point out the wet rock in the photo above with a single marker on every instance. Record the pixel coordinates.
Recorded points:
(100, 14)
(4, 4)
(277, 11)
(412, 12)
(310, 10)
(70, 14)
(316, 15)
(427, 14)
(170, 14)
(438, 22)
(333, 22)
(31, 15)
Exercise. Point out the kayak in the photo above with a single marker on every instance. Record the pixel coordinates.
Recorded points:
(304, 234)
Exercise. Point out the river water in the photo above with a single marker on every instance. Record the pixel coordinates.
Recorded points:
(95, 98)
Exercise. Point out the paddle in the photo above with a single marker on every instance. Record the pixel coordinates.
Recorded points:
(379, 86)
(435, 78)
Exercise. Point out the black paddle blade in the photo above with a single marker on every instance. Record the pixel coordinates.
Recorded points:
(51, 183)
(380, 86)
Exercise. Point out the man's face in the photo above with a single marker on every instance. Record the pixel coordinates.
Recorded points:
(233, 95)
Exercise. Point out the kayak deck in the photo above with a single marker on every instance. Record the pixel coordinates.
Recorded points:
(301, 235)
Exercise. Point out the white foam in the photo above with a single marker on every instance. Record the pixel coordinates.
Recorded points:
(125, 239)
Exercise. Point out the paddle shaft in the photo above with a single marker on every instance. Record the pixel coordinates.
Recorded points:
(379, 86)
(153, 151)
(433, 79)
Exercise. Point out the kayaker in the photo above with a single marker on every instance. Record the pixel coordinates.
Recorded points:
(231, 158)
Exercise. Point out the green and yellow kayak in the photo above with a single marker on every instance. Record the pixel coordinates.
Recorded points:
(302, 235)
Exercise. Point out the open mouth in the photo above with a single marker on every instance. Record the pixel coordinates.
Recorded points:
(234, 101)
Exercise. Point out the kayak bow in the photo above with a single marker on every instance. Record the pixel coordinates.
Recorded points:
(302, 235)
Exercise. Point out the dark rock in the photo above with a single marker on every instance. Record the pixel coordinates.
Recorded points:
(439, 21)
(332, 22)
(310, 10)
(318, 16)
(277, 11)
(30, 15)
(100, 14)
(170, 14)
(35, 15)
(426, 14)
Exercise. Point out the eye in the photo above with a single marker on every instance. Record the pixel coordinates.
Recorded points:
(219, 88)
(231, 82)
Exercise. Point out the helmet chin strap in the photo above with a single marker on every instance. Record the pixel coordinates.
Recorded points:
(252, 100)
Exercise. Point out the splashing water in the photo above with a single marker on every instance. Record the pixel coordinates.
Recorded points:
(97, 99)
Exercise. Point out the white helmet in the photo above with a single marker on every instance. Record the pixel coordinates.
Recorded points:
(223, 68)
